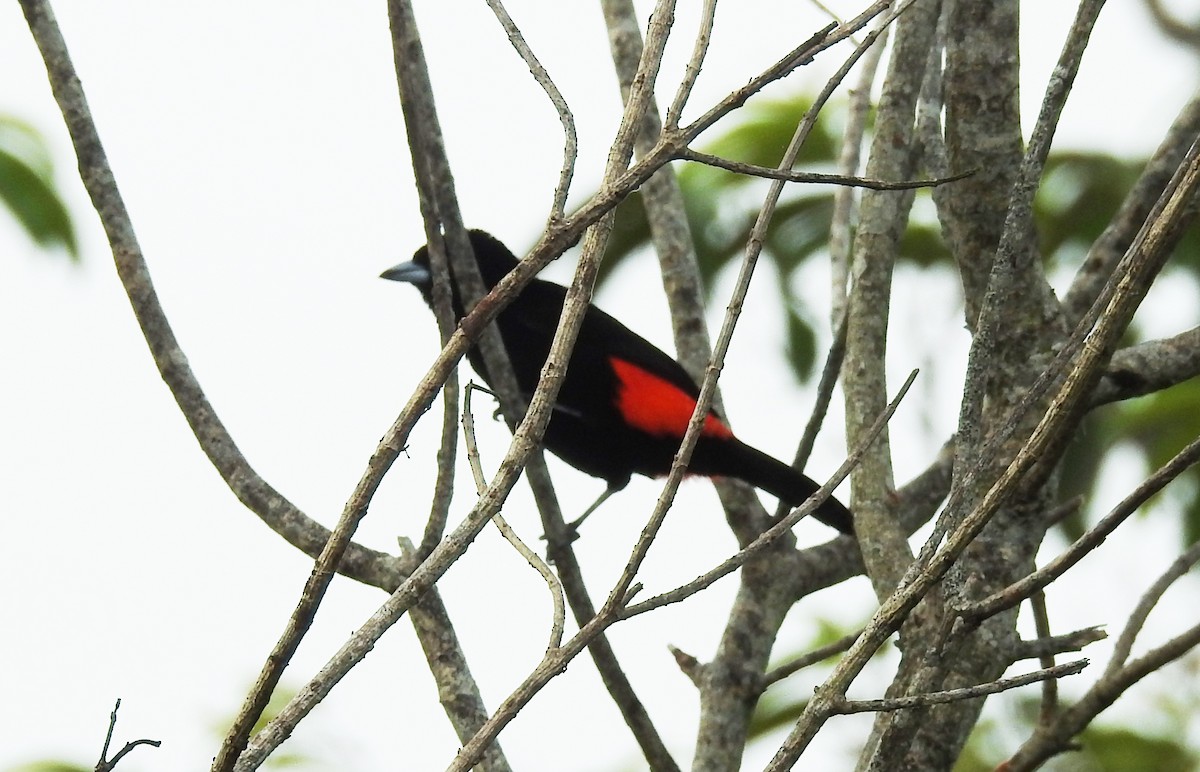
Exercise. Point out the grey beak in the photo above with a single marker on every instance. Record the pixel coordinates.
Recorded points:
(410, 272)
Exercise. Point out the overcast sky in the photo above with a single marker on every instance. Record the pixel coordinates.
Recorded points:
(260, 150)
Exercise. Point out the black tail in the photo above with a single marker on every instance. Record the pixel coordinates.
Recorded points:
(791, 486)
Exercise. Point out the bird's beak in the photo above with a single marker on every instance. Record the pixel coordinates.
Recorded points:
(410, 272)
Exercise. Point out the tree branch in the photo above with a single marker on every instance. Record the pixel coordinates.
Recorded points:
(365, 565)
(1054, 737)
(1146, 368)
(558, 615)
(965, 693)
(791, 175)
(571, 141)
(105, 764)
(1107, 250)
(1013, 594)
(882, 219)
(1141, 264)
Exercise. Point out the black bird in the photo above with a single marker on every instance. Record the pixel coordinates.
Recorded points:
(624, 404)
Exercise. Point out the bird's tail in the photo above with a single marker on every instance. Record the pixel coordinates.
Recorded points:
(787, 483)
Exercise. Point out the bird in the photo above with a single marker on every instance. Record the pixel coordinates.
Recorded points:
(624, 403)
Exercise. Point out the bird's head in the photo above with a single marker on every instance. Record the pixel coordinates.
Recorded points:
(492, 257)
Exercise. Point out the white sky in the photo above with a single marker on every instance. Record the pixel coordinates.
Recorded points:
(260, 150)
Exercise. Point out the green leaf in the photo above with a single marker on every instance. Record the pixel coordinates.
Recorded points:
(27, 187)
(801, 344)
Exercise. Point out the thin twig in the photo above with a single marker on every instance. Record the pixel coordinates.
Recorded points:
(791, 175)
(105, 764)
(845, 199)
(809, 658)
(840, 229)
(565, 117)
(1013, 594)
(692, 71)
(1124, 644)
(965, 693)
(786, 524)
(112, 725)
(539, 565)
(1104, 254)
(1057, 737)
(825, 387)
(1041, 619)
(129, 746)
(1057, 644)
(798, 57)
(688, 665)
(443, 486)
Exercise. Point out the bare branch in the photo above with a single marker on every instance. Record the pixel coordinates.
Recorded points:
(845, 199)
(825, 387)
(558, 618)
(106, 764)
(365, 565)
(799, 56)
(1051, 739)
(699, 51)
(1146, 604)
(1057, 644)
(819, 654)
(1041, 620)
(571, 146)
(458, 692)
(882, 220)
(786, 524)
(443, 486)
(1107, 250)
(791, 175)
(1013, 594)
(966, 693)
(1149, 367)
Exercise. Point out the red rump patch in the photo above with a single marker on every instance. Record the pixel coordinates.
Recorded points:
(657, 406)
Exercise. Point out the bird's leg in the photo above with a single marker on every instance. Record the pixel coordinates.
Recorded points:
(570, 531)
(573, 526)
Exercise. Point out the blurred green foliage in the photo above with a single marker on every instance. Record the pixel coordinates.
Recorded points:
(27, 187)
